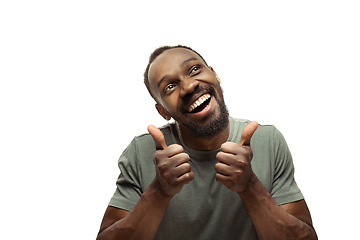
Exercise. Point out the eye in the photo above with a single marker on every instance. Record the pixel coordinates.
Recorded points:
(169, 88)
(194, 70)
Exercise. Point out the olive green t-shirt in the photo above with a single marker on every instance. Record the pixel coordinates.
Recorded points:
(205, 209)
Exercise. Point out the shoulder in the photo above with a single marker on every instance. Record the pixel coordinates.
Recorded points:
(146, 139)
(144, 145)
(262, 133)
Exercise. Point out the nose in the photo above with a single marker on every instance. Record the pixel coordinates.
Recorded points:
(188, 86)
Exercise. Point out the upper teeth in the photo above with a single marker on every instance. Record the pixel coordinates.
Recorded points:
(199, 101)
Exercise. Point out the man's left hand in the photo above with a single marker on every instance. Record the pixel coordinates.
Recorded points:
(234, 169)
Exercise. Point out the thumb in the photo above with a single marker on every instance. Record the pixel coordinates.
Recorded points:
(158, 137)
(248, 133)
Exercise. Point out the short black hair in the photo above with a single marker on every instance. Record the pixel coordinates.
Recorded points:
(155, 54)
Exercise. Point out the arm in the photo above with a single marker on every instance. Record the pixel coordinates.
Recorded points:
(289, 221)
(172, 172)
(142, 222)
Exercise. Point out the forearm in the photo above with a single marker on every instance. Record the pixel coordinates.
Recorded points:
(270, 220)
(143, 221)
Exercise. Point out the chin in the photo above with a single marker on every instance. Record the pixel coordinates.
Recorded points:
(211, 125)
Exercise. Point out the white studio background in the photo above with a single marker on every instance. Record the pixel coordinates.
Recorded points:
(72, 98)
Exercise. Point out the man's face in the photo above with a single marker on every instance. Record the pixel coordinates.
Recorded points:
(188, 91)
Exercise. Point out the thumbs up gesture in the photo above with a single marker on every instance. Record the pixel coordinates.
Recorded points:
(234, 169)
(173, 170)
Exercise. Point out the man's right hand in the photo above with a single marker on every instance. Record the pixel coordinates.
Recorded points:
(173, 170)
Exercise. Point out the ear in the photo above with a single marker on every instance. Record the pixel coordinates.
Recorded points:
(162, 112)
(217, 77)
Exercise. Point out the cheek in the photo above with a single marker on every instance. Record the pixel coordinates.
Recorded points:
(171, 104)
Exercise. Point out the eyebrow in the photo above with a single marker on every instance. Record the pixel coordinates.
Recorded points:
(188, 60)
(181, 65)
(163, 79)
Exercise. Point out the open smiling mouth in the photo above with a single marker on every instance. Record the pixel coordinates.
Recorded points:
(200, 104)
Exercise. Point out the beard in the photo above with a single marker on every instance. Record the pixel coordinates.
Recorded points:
(212, 124)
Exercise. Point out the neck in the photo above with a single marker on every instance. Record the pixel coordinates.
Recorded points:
(200, 143)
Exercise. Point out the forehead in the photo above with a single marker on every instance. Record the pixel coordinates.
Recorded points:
(169, 62)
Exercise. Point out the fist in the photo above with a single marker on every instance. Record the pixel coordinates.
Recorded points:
(234, 169)
(172, 166)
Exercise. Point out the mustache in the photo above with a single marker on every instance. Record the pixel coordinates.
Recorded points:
(199, 89)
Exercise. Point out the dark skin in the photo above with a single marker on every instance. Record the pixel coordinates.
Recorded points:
(172, 75)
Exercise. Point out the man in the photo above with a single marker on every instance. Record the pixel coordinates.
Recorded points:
(206, 176)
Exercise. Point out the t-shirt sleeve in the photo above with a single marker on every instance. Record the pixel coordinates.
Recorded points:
(128, 190)
(285, 189)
